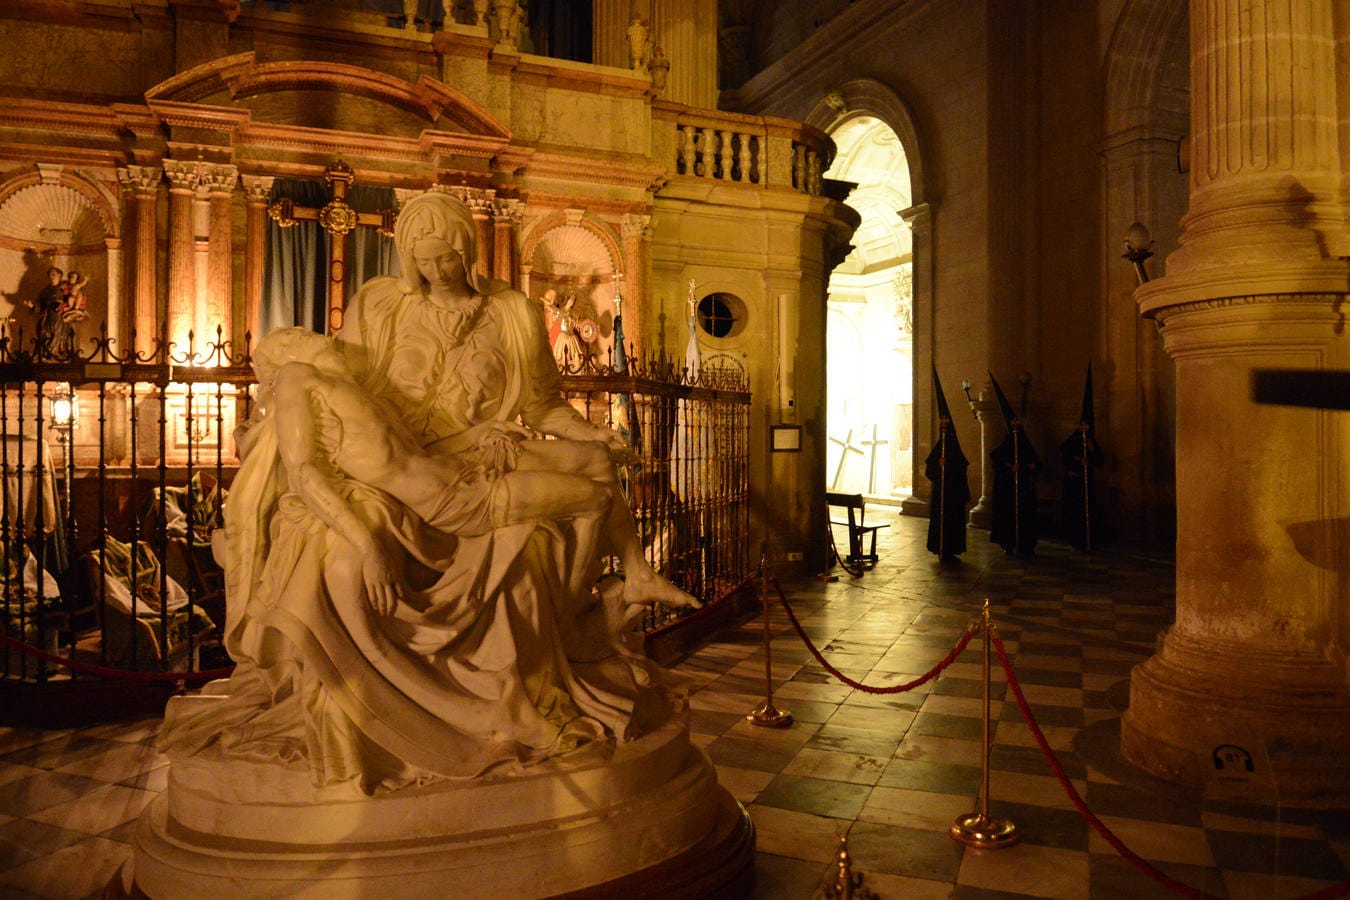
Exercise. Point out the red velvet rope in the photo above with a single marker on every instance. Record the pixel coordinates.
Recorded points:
(858, 685)
(109, 672)
(1336, 890)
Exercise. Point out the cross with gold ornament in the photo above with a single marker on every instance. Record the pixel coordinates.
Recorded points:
(337, 217)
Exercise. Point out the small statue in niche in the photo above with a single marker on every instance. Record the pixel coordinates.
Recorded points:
(47, 305)
(639, 43)
(72, 310)
(568, 350)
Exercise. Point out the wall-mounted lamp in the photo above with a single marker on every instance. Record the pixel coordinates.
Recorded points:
(1138, 248)
(65, 410)
(65, 418)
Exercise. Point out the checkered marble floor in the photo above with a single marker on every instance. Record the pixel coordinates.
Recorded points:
(894, 771)
(890, 771)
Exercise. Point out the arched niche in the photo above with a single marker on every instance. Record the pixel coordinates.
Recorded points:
(575, 259)
(52, 218)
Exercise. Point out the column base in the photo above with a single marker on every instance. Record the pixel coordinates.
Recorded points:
(914, 506)
(1205, 716)
(981, 515)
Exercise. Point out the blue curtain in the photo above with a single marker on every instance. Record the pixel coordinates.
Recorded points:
(295, 265)
(369, 253)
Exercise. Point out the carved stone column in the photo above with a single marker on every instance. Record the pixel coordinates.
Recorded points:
(218, 310)
(142, 183)
(609, 32)
(184, 177)
(687, 31)
(257, 188)
(990, 417)
(505, 217)
(637, 235)
(1256, 658)
(113, 316)
(480, 203)
(920, 220)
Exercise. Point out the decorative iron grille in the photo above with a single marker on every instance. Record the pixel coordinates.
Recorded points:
(116, 467)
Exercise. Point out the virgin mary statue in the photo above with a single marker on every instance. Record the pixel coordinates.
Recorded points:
(500, 650)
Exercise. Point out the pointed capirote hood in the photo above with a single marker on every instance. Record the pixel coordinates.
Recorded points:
(1087, 414)
(1003, 404)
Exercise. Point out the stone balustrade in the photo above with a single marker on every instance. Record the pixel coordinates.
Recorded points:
(726, 147)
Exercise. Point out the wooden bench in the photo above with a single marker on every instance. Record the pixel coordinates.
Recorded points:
(858, 529)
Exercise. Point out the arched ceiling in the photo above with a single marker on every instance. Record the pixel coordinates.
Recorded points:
(871, 156)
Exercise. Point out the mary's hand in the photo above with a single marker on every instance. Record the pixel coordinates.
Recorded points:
(383, 588)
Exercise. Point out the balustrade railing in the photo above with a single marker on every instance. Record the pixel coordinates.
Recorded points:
(738, 149)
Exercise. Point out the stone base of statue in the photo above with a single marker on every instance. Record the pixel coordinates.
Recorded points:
(645, 820)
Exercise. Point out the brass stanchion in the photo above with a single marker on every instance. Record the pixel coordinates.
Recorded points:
(980, 829)
(841, 882)
(766, 713)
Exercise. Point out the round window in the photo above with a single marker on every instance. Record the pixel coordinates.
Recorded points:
(721, 315)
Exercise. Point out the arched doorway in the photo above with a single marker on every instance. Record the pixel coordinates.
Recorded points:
(870, 323)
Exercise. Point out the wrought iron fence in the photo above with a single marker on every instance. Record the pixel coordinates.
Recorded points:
(116, 467)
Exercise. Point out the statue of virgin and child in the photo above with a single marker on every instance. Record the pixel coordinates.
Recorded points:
(415, 580)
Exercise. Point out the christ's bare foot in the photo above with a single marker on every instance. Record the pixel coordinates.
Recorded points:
(644, 586)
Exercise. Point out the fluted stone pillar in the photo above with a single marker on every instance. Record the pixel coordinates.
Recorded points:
(687, 31)
(142, 182)
(184, 178)
(257, 188)
(113, 315)
(1256, 658)
(218, 310)
(990, 417)
(505, 217)
(609, 32)
(637, 235)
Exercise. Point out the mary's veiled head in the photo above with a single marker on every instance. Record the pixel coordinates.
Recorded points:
(436, 216)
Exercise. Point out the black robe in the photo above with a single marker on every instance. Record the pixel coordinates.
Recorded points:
(1078, 501)
(950, 494)
(1014, 500)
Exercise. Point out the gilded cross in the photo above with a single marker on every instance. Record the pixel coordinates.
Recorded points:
(337, 217)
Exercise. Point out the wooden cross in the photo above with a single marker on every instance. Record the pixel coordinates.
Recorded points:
(337, 218)
(874, 443)
(847, 444)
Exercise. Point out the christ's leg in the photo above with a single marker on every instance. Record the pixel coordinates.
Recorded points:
(591, 461)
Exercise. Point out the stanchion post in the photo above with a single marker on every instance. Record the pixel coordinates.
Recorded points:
(980, 829)
(841, 882)
(766, 714)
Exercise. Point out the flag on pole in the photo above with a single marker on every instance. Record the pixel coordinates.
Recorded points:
(621, 403)
(683, 465)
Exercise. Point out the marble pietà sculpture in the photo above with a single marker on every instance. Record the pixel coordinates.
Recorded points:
(413, 577)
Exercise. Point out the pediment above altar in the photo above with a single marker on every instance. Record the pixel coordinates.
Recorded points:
(237, 93)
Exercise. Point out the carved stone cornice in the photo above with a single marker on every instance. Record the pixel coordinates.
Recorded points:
(508, 210)
(183, 176)
(257, 188)
(140, 179)
(622, 170)
(220, 179)
(1257, 280)
(638, 226)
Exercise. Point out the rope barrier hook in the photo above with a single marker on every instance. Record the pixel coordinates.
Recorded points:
(980, 829)
(766, 714)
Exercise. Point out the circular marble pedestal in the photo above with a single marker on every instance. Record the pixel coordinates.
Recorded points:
(648, 821)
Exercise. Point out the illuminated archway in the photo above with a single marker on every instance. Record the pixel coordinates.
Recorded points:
(870, 331)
